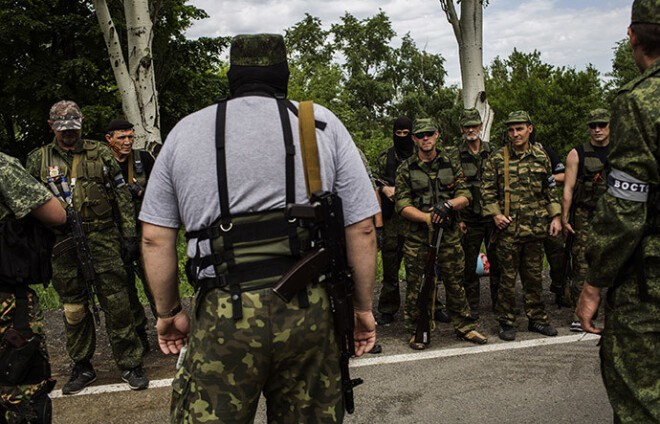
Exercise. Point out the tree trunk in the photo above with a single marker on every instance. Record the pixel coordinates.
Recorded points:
(136, 82)
(468, 30)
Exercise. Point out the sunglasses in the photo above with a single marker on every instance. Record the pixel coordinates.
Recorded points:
(402, 132)
(595, 125)
(424, 134)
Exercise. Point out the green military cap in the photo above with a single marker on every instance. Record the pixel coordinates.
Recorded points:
(470, 118)
(517, 117)
(423, 125)
(598, 115)
(646, 12)
(257, 50)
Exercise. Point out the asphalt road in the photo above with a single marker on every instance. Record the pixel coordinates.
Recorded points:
(526, 381)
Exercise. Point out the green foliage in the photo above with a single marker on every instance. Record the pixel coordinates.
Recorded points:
(557, 98)
(53, 50)
(624, 68)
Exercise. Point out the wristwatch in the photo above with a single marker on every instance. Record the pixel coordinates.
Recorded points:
(170, 313)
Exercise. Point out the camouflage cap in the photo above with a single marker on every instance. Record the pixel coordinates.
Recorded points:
(517, 117)
(66, 115)
(598, 115)
(645, 12)
(470, 118)
(423, 125)
(257, 50)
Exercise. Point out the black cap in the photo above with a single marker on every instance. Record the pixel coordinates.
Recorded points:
(118, 124)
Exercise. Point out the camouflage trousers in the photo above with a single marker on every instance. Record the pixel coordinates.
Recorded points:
(287, 352)
(114, 300)
(391, 254)
(554, 252)
(579, 262)
(139, 317)
(478, 233)
(630, 349)
(450, 262)
(525, 257)
(16, 402)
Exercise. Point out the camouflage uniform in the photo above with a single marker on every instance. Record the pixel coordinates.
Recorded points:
(479, 229)
(520, 245)
(413, 188)
(19, 194)
(392, 252)
(625, 240)
(105, 245)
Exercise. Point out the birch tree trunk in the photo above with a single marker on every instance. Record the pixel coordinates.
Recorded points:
(468, 30)
(136, 81)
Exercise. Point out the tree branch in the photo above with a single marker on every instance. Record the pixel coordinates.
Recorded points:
(452, 18)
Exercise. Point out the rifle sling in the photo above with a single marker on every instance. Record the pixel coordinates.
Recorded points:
(309, 147)
(507, 188)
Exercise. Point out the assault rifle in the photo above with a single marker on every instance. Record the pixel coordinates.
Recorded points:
(325, 219)
(427, 291)
(78, 241)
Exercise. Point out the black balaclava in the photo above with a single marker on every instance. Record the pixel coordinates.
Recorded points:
(404, 146)
(270, 79)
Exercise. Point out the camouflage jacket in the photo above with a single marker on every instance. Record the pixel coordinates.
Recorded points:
(422, 184)
(121, 195)
(533, 197)
(19, 191)
(618, 224)
(472, 165)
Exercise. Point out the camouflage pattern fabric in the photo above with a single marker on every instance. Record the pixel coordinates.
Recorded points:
(275, 348)
(450, 262)
(630, 350)
(139, 318)
(19, 194)
(519, 248)
(578, 254)
(257, 50)
(392, 251)
(527, 258)
(554, 253)
(450, 257)
(645, 12)
(113, 300)
(19, 191)
(66, 115)
(15, 400)
(478, 233)
(105, 247)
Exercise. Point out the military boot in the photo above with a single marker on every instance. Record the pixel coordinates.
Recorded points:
(82, 376)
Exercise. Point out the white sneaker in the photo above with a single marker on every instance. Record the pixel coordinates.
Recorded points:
(576, 327)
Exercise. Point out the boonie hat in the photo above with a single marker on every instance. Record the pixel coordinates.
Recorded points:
(598, 115)
(257, 50)
(118, 124)
(66, 115)
(517, 117)
(645, 12)
(470, 118)
(423, 125)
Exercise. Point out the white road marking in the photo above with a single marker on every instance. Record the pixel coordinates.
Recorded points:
(377, 360)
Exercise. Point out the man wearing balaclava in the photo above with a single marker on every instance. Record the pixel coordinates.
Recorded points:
(226, 173)
(392, 254)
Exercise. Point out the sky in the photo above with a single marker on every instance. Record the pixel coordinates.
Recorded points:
(571, 33)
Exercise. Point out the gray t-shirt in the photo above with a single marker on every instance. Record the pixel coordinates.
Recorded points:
(183, 187)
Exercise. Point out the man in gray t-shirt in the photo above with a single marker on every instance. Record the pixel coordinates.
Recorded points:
(223, 172)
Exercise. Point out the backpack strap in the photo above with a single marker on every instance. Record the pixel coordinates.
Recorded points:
(507, 188)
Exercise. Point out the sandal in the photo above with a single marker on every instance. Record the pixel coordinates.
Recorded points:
(472, 336)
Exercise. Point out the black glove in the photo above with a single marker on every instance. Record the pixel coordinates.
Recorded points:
(380, 237)
(136, 189)
(441, 210)
(130, 249)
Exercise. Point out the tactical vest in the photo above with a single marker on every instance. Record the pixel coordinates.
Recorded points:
(391, 164)
(89, 182)
(429, 189)
(250, 251)
(472, 170)
(591, 182)
(136, 171)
